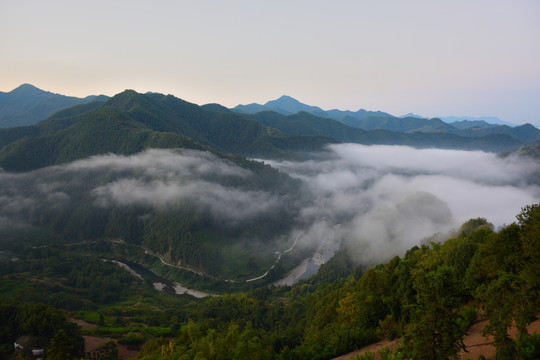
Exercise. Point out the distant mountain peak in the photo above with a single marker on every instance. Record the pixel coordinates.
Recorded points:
(414, 116)
(287, 105)
(290, 104)
(287, 97)
(284, 99)
(26, 86)
(27, 89)
(27, 104)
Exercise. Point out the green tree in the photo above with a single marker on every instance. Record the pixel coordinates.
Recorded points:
(61, 347)
(435, 332)
(501, 297)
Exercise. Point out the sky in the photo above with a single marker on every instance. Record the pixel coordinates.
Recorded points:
(432, 58)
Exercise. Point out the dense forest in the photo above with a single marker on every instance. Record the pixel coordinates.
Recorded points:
(428, 297)
(82, 210)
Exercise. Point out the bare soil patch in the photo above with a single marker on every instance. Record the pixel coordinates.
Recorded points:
(373, 348)
(476, 344)
(92, 343)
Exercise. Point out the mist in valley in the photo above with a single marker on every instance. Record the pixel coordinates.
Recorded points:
(380, 200)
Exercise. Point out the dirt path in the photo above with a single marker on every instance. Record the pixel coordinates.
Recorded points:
(475, 343)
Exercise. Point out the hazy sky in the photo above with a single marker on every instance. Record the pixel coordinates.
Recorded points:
(433, 58)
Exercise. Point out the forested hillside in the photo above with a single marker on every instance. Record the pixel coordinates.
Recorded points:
(429, 297)
(130, 122)
(27, 105)
(295, 119)
(431, 135)
(223, 216)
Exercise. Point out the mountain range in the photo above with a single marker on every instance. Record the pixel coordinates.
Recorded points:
(453, 120)
(377, 120)
(130, 122)
(287, 105)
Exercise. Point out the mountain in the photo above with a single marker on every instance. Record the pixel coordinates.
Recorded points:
(27, 105)
(466, 128)
(378, 120)
(488, 119)
(287, 105)
(466, 121)
(525, 133)
(307, 124)
(398, 124)
(206, 235)
(413, 115)
(216, 107)
(131, 122)
(467, 124)
(530, 151)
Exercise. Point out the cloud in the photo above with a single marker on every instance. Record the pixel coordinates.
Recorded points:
(165, 164)
(386, 199)
(223, 202)
(159, 179)
(381, 199)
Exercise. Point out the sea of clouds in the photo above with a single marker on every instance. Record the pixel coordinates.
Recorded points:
(385, 199)
(380, 199)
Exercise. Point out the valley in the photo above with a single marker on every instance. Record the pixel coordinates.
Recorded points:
(198, 231)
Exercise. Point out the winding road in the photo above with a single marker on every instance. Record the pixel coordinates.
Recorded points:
(149, 252)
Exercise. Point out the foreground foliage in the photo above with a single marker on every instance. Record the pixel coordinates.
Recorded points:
(430, 297)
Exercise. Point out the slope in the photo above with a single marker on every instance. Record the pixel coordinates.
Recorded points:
(307, 124)
(130, 122)
(287, 105)
(396, 124)
(525, 133)
(378, 120)
(27, 105)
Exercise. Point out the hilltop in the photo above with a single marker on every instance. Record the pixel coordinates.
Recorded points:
(27, 105)
(377, 120)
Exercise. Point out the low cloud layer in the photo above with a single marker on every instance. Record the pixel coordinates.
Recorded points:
(381, 199)
(387, 198)
(160, 179)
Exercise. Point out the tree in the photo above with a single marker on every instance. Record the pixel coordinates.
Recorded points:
(435, 331)
(61, 347)
(500, 297)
